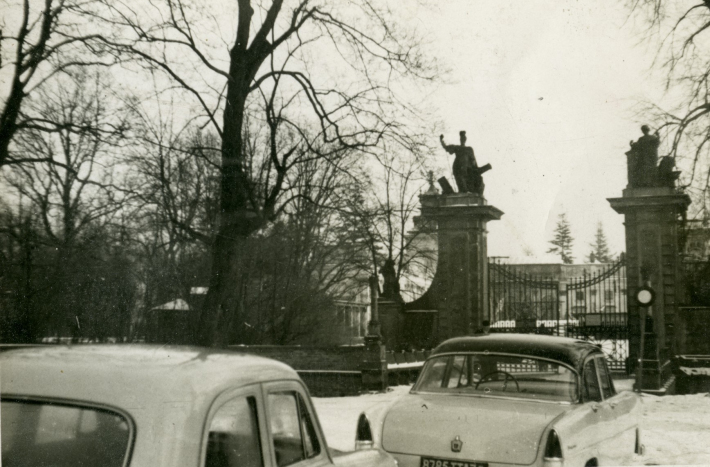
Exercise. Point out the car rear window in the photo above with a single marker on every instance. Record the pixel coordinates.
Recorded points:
(499, 375)
(37, 433)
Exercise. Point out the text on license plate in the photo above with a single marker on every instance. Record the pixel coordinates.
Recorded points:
(429, 462)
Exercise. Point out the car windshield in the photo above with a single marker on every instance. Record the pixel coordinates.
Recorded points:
(498, 375)
(42, 433)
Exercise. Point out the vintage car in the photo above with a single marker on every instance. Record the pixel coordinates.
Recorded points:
(121, 405)
(508, 399)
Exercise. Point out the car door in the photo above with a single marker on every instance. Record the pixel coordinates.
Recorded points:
(616, 413)
(236, 434)
(294, 437)
(581, 430)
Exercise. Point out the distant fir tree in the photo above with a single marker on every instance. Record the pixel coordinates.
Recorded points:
(600, 248)
(562, 243)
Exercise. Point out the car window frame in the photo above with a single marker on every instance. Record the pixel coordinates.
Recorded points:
(79, 403)
(593, 358)
(254, 390)
(601, 358)
(296, 386)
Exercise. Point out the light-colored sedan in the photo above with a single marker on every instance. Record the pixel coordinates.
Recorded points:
(508, 399)
(114, 406)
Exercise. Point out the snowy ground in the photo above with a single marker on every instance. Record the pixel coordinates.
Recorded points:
(676, 428)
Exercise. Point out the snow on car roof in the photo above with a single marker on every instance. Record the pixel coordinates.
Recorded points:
(563, 349)
(130, 374)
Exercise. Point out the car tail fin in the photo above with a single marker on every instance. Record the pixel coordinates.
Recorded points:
(363, 436)
(553, 451)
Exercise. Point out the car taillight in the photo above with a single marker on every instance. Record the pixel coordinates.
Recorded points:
(363, 436)
(553, 451)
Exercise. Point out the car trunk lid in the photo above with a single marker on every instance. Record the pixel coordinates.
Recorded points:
(490, 429)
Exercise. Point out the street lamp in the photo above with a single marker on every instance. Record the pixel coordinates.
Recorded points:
(645, 296)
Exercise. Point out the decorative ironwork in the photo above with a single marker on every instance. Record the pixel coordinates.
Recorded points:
(591, 307)
(520, 301)
(597, 311)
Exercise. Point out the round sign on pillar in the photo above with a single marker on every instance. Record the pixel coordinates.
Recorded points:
(645, 296)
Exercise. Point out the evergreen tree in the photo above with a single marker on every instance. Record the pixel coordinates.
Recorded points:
(600, 248)
(562, 243)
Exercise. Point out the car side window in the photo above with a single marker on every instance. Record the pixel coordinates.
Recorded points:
(591, 382)
(234, 435)
(292, 431)
(605, 378)
(433, 377)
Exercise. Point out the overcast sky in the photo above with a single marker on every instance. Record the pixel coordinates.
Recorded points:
(546, 91)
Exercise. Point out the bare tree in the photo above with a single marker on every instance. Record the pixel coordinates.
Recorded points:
(681, 32)
(81, 189)
(18, 245)
(260, 80)
(175, 177)
(73, 202)
(383, 216)
(304, 262)
(49, 41)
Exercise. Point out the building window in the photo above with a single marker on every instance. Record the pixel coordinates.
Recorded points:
(579, 295)
(609, 295)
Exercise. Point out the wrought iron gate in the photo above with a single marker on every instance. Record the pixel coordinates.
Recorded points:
(554, 299)
(597, 311)
(521, 301)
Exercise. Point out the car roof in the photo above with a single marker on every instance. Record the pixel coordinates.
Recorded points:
(122, 374)
(563, 349)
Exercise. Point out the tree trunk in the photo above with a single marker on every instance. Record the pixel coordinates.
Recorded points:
(8, 119)
(237, 219)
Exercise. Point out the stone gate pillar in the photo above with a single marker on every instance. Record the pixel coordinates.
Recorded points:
(458, 294)
(651, 217)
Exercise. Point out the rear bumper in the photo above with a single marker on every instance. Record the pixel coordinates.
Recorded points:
(405, 460)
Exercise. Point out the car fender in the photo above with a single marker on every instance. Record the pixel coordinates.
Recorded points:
(573, 431)
(585, 434)
(376, 418)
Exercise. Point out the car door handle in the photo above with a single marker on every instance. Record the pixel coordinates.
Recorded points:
(612, 405)
(595, 407)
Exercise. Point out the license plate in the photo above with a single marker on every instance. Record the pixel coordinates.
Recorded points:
(431, 462)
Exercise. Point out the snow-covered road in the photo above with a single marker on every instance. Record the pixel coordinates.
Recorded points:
(676, 429)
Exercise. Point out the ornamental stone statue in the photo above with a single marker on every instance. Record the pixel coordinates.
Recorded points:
(642, 159)
(466, 171)
(390, 289)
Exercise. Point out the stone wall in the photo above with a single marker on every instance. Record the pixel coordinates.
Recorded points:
(330, 371)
